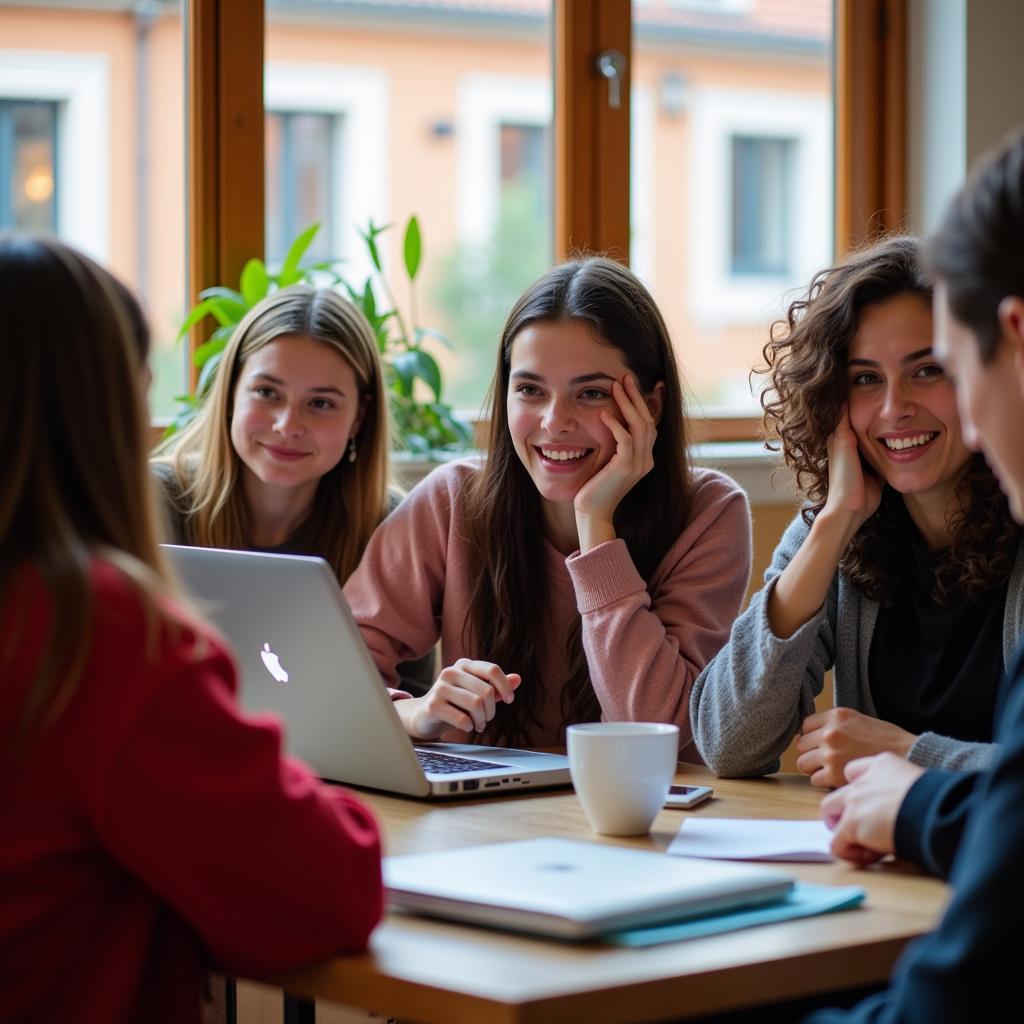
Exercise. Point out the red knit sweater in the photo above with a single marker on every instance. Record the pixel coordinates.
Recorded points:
(152, 829)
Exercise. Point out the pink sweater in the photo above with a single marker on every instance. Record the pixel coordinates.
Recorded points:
(646, 642)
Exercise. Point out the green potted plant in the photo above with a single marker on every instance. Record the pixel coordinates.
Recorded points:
(425, 426)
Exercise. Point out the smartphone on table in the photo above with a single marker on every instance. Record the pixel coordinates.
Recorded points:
(687, 796)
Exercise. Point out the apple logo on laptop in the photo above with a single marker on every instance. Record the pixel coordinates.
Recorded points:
(273, 663)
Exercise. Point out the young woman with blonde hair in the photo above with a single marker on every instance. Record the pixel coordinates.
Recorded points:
(904, 572)
(148, 828)
(290, 449)
(586, 570)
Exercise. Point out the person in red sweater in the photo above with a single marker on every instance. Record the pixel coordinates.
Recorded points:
(586, 570)
(147, 829)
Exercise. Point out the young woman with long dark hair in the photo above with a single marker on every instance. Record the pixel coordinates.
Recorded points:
(585, 570)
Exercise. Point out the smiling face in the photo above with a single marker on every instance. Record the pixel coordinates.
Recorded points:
(990, 394)
(902, 406)
(560, 378)
(295, 406)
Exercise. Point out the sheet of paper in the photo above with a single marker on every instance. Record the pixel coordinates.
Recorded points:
(752, 839)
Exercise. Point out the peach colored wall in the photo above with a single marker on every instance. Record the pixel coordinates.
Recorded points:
(166, 284)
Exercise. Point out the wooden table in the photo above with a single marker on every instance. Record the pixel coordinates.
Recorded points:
(440, 973)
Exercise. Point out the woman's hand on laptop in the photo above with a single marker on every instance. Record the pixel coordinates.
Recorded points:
(464, 697)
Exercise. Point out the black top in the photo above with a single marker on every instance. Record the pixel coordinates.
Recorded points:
(932, 667)
(968, 969)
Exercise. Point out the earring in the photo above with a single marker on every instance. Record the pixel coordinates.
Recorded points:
(352, 454)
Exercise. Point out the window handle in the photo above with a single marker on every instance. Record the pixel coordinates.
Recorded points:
(611, 64)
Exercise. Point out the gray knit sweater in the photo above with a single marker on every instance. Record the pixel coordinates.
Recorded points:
(748, 703)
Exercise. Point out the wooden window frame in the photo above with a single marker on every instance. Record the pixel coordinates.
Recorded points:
(225, 169)
(591, 139)
(870, 120)
(224, 142)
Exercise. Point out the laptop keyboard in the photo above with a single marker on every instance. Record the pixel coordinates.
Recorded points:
(446, 764)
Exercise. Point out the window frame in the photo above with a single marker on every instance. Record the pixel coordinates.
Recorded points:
(225, 110)
(79, 83)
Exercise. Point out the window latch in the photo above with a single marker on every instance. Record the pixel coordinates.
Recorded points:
(611, 64)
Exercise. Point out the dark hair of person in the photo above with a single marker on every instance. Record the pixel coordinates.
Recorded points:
(806, 360)
(76, 484)
(508, 620)
(977, 251)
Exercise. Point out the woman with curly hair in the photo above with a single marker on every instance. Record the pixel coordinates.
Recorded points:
(904, 572)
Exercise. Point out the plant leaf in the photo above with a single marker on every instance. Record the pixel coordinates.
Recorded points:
(196, 313)
(370, 238)
(220, 292)
(254, 281)
(295, 253)
(206, 377)
(412, 247)
(428, 371)
(406, 367)
(210, 348)
(288, 277)
(369, 302)
(227, 311)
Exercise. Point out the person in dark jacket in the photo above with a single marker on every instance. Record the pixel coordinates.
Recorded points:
(967, 827)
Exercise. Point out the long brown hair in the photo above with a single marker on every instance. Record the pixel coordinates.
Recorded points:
(76, 486)
(507, 612)
(352, 498)
(806, 359)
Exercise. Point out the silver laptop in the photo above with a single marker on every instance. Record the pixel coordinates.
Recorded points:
(302, 655)
(573, 890)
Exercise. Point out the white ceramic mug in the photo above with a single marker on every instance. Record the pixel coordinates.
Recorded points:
(621, 772)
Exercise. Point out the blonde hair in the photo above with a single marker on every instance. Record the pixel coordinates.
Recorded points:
(74, 345)
(352, 498)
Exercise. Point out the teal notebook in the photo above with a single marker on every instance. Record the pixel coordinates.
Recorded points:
(805, 900)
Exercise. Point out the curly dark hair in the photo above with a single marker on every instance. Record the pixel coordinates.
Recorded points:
(806, 357)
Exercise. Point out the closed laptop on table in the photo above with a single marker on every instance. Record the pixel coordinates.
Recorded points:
(573, 890)
(302, 656)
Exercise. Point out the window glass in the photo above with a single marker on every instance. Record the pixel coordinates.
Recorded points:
(762, 207)
(442, 110)
(28, 168)
(300, 149)
(731, 182)
(92, 148)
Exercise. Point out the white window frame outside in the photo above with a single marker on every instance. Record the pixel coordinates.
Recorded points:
(714, 6)
(359, 98)
(719, 297)
(486, 102)
(79, 83)
(641, 184)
